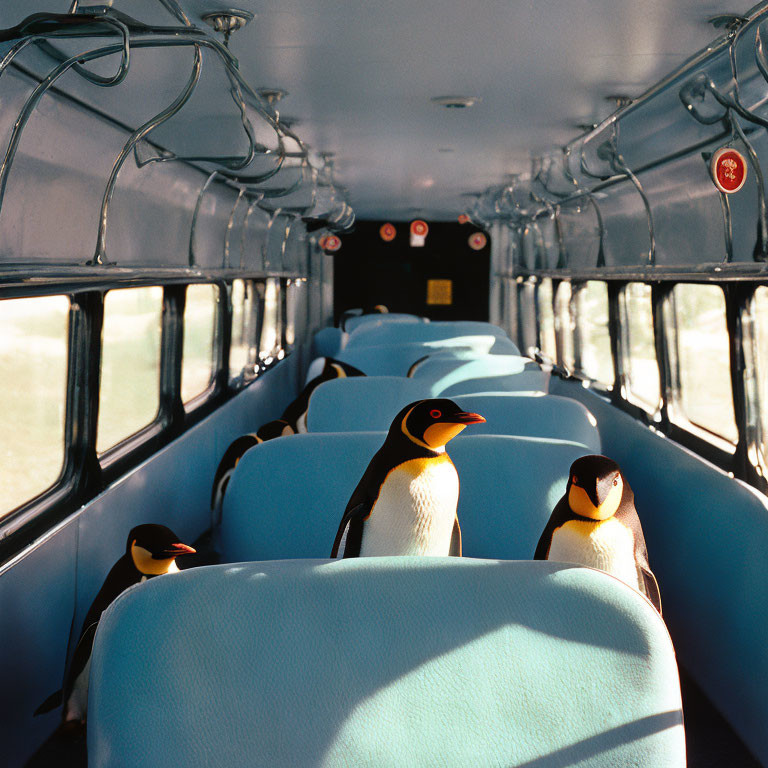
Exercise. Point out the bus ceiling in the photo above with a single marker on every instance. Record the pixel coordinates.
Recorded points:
(589, 132)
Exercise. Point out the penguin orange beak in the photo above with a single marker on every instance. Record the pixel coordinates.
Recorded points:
(174, 550)
(463, 417)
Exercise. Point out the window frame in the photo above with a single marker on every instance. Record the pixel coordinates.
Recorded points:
(675, 411)
(622, 355)
(577, 288)
(85, 474)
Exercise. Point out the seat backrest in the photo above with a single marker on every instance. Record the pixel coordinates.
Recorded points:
(445, 369)
(397, 359)
(403, 333)
(378, 319)
(370, 404)
(286, 498)
(526, 381)
(384, 661)
(326, 342)
(361, 404)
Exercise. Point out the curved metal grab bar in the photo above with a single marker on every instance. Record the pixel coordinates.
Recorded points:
(225, 264)
(140, 133)
(195, 214)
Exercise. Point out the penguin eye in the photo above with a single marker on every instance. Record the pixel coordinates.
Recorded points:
(615, 481)
(575, 480)
(435, 414)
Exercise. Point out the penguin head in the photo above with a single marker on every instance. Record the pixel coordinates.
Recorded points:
(154, 548)
(432, 423)
(595, 487)
(273, 429)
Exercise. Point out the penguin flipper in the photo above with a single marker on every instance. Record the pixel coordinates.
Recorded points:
(353, 521)
(52, 702)
(556, 519)
(651, 588)
(455, 548)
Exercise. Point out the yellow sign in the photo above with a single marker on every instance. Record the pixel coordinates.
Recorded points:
(440, 292)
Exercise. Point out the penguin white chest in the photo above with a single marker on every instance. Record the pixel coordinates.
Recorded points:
(607, 545)
(415, 511)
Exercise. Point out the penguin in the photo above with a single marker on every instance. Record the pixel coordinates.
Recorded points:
(151, 550)
(595, 524)
(235, 452)
(296, 413)
(405, 503)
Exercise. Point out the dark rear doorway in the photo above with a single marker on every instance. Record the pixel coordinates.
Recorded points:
(445, 279)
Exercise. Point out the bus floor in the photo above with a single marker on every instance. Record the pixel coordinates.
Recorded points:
(710, 741)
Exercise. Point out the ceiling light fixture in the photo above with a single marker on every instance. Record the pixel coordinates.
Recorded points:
(227, 21)
(455, 102)
(272, 95)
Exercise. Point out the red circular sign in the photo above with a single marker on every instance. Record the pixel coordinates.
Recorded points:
(729, 170)
(322, 241)
(463, 218)
(332, 243)
(387, 233)
(477, 241)
(419, 228)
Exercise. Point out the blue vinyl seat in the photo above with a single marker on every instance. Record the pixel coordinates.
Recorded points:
(397, 359)
(394, 662)
(343, 406)
(404, 333)
(286, 498)
(326, 342)
(377, 319)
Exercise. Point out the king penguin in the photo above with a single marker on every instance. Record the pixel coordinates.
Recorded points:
(595, 524)
(405, 503)
(151, 550)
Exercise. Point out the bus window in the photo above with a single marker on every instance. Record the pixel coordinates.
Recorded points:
(546, 317)
(700, 360)
(198, 365)
(641, 368)
(270, 341)
(526, 297)
(594, 334)
(564, 326)
(240, 343)
(33, 392)
(129, 395)
(760, 313)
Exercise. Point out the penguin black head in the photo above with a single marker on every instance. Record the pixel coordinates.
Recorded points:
(273, 429)
(154, 548)
(595, 487)
(432, 423)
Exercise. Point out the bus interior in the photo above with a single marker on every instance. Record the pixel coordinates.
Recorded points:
(236, 241)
